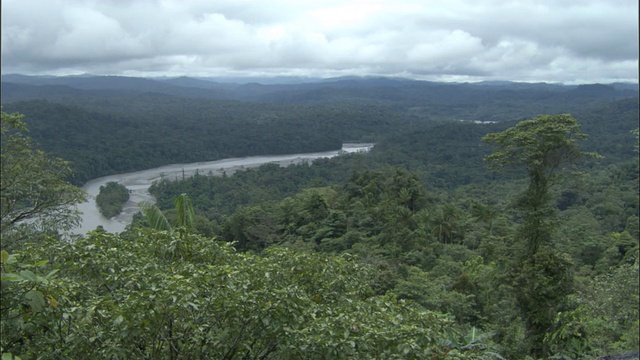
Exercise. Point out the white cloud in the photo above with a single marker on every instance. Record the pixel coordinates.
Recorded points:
(445, 48)
(536, 40)
(89, 34)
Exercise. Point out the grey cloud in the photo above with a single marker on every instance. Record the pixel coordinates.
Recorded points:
(539, 40)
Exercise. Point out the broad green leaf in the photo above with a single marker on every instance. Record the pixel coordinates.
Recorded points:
(11, 277)
(36, 300)
(40, 263)
(8, 258)
(28, 275)
(10, 356)
(51, 273)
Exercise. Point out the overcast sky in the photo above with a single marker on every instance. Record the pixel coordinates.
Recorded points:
(569, 41)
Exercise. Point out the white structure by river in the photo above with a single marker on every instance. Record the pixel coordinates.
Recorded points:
(138, 182)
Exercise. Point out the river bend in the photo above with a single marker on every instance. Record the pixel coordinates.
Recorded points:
(138, 182)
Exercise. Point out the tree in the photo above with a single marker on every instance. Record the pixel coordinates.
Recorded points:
(158, 221)
(111, 199)
(541, 146)
(444, 223)
(485, 214)
(104, 296)
(33, 184)
(602, 318)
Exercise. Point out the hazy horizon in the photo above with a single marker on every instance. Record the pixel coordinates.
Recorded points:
(592, 41)
(284, 79)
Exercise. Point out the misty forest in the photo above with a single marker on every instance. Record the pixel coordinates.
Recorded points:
(490, 220)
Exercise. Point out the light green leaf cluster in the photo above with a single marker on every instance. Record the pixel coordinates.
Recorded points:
(602, 318)
(544, 142)
(33, 186)
(28, 300)
(145, 296)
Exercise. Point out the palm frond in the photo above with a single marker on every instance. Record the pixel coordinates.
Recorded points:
(155, 217)
(185, 212)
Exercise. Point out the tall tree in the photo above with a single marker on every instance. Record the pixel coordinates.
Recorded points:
(33, 185)
(485, 214)
(541, 146)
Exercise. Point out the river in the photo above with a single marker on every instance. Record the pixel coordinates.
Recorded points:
(138, 182)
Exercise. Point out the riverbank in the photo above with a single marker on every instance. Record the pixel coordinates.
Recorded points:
(138, 182)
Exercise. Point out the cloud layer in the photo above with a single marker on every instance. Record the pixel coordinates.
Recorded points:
(462, 40)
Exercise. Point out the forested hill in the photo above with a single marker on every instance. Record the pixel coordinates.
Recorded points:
(390, 91)
(452, 153)
(444, 232)
(133, 133)
(444, 156)
(450, 235)
(109, 124)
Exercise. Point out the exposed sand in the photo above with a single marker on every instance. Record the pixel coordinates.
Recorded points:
(138, 182)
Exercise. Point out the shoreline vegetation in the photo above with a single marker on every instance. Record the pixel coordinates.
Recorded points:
(111, 199)
(138, 182)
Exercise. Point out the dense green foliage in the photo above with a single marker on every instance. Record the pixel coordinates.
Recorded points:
(414, 250)
(156, 295)
(33, 186)
(126, 134)
(454, 255)
(109, 125)
(445, 156)
(453, 101)
(543, 146)
(458, 251)
(111, 199)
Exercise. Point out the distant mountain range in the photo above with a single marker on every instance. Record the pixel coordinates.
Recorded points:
(17, 87)
(411, 99)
